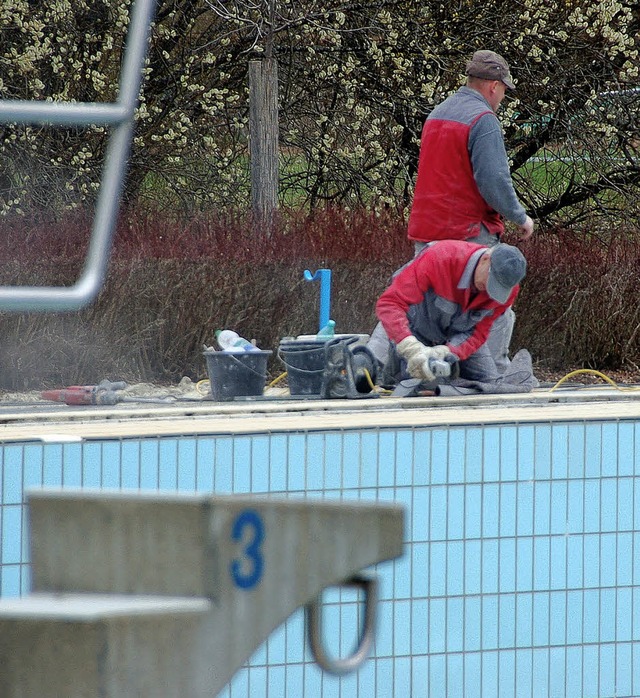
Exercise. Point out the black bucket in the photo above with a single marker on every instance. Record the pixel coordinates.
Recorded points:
(237, 374)
(305, 366)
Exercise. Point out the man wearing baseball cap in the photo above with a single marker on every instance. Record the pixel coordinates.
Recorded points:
(464, 189)
(445, 301)
(489, 65)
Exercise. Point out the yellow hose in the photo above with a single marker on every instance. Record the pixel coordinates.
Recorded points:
(592, 372)
(202, 382)
(368, 377)
(275, 381)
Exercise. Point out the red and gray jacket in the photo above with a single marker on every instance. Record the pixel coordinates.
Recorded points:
(432, 298)
(463, 173)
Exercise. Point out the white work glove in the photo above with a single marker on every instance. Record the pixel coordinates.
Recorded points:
(417, 356)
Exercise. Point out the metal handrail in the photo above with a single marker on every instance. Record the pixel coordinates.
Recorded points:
(120, 116)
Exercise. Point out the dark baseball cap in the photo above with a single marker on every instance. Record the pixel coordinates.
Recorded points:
(507, 269)
(489, 65)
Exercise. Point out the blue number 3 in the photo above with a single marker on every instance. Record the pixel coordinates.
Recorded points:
(254, 564)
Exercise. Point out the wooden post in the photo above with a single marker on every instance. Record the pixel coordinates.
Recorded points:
(263, 141)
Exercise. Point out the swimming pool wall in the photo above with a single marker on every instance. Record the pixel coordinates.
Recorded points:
(521, 567)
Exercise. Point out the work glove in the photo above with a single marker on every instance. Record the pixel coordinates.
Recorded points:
(417, 356)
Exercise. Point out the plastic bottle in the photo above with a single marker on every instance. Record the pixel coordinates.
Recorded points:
(231, 341)
(327, 332)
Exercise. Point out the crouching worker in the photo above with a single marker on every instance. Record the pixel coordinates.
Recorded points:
(444, 302)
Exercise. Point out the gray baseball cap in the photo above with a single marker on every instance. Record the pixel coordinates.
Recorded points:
(489, 65)
(507, 269)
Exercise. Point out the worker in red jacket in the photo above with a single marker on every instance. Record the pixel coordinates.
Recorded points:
(464, 189)
(445, 301)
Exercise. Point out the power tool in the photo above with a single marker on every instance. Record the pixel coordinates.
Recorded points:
(104, 393)
(349, 370)
(449, 367)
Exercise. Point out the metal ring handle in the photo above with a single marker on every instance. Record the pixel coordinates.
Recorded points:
(369, 585)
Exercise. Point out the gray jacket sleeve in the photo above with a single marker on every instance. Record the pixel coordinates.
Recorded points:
(491, 169)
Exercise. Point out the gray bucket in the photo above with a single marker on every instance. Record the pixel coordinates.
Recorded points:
(305, 365)
(237, 374)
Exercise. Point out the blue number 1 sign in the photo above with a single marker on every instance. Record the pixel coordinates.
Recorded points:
(246, 570)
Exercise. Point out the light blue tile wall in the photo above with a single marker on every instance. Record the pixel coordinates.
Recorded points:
(520, 576)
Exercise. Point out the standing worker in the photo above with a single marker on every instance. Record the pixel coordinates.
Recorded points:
(464, 189)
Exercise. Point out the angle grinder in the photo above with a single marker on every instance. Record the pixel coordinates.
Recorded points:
(449, 367)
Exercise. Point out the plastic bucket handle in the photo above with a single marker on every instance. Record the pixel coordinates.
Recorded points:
(301, 370)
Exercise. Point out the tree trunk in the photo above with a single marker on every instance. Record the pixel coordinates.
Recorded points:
(263, 140)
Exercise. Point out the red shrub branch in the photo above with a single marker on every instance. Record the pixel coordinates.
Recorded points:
(172, 283)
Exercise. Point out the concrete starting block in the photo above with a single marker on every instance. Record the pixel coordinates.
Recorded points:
(168, 595)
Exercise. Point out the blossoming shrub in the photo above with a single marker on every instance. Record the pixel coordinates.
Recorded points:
(356, 82)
